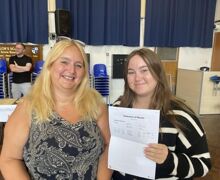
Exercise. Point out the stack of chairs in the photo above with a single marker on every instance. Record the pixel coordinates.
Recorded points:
(216, 81)
(10, 77)
(90, 80)
(3, 79)
(101, 79)
(38, 65)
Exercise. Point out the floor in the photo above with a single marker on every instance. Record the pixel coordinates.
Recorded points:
(211, 125)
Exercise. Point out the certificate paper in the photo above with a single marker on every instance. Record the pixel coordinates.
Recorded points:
(5, 112)
(131, 131)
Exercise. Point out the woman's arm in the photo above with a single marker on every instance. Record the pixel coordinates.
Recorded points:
(189, 156)
(194, 160)
(103, 172)
(15, 136)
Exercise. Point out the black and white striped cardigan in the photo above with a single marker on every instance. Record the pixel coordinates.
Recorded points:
(188, 150)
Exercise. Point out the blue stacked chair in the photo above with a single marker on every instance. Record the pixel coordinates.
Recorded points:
(216, 80)
(3, 66)
(101, 79)
(38, 65)
(3, 79)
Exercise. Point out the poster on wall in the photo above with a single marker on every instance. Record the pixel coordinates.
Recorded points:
(34, 51)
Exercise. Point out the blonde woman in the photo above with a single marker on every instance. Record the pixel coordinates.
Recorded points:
(60, 130)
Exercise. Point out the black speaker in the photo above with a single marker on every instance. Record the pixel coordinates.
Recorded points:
(63, 22)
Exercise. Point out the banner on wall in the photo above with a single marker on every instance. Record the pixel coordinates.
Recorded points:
(34, 51)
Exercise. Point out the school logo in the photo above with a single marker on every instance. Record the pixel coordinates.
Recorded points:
(35, 50)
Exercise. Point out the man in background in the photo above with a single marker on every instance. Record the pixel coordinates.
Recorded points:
(20, 65)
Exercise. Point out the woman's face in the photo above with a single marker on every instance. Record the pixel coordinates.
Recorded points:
(68, 70)
(139, 77)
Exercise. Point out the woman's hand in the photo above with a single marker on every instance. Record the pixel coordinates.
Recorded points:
(156, 152)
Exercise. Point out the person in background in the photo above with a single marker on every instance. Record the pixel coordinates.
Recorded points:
(60, 129)
(182, 151)
(20, 65)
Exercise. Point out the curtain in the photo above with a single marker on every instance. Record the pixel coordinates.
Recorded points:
(179, 23)
(24, 21)
(104, 22)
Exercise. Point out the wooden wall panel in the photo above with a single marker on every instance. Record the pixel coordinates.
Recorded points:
(34, 51)
(171, 71)
(215, 64)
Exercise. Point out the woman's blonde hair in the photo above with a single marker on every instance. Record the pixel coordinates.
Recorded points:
(41, 97)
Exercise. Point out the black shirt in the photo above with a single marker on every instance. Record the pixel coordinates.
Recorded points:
(21, 77)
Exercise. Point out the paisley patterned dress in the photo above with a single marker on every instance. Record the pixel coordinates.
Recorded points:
(59, 150)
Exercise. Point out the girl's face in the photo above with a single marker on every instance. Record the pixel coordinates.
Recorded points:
(140, 79)
(68, 70)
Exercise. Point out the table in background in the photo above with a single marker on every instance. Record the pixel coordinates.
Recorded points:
(5, 102)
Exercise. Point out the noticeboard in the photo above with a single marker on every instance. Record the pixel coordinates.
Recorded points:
(34, 51)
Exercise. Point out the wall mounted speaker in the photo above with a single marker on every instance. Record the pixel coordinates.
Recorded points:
(63, 22)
